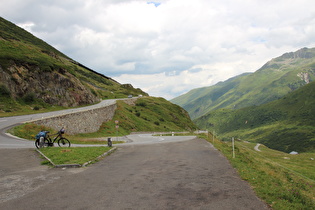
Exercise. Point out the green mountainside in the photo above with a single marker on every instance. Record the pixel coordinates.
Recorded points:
(275, 79)
(34, 75)
(151, 114)
(146, 114)
(286, 124)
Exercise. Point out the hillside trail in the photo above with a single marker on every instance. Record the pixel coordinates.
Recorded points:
(190, 174)
(257, 148)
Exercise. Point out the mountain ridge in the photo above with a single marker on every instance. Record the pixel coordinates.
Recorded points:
(286, 124)
(272, 81)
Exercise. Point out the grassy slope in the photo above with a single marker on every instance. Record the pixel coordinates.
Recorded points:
(18, 47)
(274, 80)
(286, 124)
(198, 101)
(154, 114)
(283, 181)
(148, 114)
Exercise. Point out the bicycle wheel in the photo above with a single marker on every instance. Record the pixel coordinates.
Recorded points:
(63, 142)
(41, 142)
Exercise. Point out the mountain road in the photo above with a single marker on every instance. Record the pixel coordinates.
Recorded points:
(7, 141)
(189, 174)
(147, 172)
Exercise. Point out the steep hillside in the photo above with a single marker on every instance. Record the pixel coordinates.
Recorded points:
(150, 114)
(286, 124)
(145, 114)
(35, 74)
(198, 101)
(272, 81)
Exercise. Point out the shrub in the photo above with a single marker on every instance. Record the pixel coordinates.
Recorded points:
(4, 91)
(29, 98)
(93, 92)
(143, 104)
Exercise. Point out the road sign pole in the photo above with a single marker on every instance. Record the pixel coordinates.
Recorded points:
(233, 147)
(117, 126)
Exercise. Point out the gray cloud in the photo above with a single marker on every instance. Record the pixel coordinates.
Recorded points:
(180, 44)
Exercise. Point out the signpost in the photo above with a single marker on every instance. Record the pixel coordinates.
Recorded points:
(117, 126)
(233, 147)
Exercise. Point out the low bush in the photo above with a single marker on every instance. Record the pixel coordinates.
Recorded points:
(4, 91)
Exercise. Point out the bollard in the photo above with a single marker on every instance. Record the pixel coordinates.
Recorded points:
(109, 142)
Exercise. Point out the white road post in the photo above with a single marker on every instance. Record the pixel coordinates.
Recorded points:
(117, 126)
(233, 147)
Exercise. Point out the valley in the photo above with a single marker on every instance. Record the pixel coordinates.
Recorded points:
(272, 106)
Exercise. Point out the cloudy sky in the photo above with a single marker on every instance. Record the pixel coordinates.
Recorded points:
(168, 47)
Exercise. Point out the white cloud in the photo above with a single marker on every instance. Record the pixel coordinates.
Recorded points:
(168, 47)
(171, 84)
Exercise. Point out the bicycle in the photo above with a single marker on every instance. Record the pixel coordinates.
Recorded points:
(44, 140)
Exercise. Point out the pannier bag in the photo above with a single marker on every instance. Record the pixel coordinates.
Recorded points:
(41, 134)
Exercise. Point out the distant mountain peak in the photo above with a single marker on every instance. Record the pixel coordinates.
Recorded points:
(272, 81)
(302, 53)
(290, 58)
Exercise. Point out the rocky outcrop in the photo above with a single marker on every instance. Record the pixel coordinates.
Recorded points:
(304, 76)
(57, 87)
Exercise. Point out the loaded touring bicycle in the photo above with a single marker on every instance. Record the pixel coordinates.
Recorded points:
(44, 140)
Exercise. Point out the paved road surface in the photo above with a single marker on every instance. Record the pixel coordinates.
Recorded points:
(8, 122)
(146, 173)
(179, 175)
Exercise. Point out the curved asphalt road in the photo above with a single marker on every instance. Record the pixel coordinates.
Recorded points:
(7, 141)
(153, 172)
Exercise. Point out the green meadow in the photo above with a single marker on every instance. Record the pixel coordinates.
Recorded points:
(282, 180)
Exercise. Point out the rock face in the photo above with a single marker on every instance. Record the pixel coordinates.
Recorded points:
(32, 69)
(57, 87)
(304, 76)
